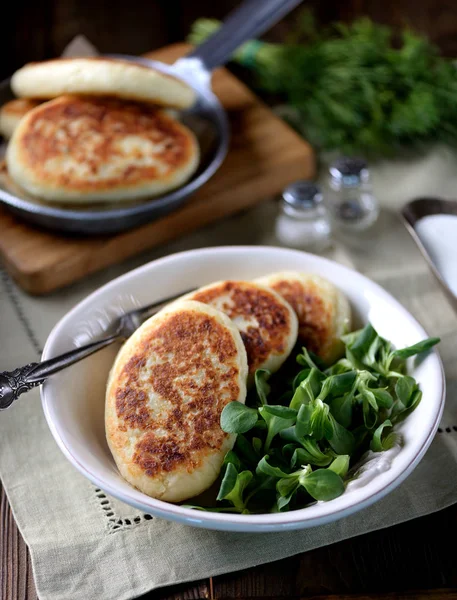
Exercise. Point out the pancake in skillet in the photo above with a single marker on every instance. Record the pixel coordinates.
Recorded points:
(267, 323)
(12, 112)
(164, 398)
(83, 150)
(7, 184)
(98, 76)
(323, 311)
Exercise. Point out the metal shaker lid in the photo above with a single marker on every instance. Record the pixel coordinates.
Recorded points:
(349, 170)
(302, 195)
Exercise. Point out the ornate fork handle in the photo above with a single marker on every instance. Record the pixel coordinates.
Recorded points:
(15, 383)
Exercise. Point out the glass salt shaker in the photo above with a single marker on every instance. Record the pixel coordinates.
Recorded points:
(303, 221)
(350, 198)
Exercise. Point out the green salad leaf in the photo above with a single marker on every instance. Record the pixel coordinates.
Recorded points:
(382, 439)
(416, 349)
(238, 418)
(308, 389)
(302, 434)
(310, 454)
(244, 447)
(277, 418)
(341, 439)
(323, 484)
(233, 486)
(404, 389)
(261, 378)
(340, 465)
(341, 409)
(232, 458)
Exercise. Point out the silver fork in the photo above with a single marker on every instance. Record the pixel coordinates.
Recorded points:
(14, 383)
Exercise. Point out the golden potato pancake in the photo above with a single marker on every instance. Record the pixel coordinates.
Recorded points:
(100, 76)
(85, 150)
(11, 114)
(164, 398)
(267, 323)
(323, 311)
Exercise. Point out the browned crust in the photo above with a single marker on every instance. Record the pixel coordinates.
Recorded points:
(20, 106)
(191, 384)
(315, 316)
(104, 121)
(274, 322)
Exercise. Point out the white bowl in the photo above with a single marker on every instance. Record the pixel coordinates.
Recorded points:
(73, 400)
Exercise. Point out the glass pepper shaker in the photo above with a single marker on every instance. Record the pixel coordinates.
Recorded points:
(303, 221)
(350, 198)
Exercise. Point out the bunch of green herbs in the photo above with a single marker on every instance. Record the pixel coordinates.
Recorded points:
(300, 433)
(357, 88)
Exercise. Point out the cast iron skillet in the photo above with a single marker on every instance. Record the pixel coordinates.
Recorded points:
(206, 118)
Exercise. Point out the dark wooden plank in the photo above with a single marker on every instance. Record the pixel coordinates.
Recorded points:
(410, 556)
(16, 579)
(27, 35)
(190, 591)
(119, 29)
(439, 594)
(39, 30)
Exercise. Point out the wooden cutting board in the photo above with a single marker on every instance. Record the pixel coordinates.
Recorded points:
(264, 156)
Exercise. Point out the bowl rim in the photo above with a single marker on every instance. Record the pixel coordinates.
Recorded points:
(265, 522)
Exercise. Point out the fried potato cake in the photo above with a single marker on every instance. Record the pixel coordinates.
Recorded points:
(84, 150)
(323, 311)
(267, 323)
(164, 398)
(99, 76)
(12, 112)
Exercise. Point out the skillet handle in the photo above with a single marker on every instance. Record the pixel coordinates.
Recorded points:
(250, 20)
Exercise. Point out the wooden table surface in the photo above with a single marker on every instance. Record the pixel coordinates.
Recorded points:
(409, 561)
